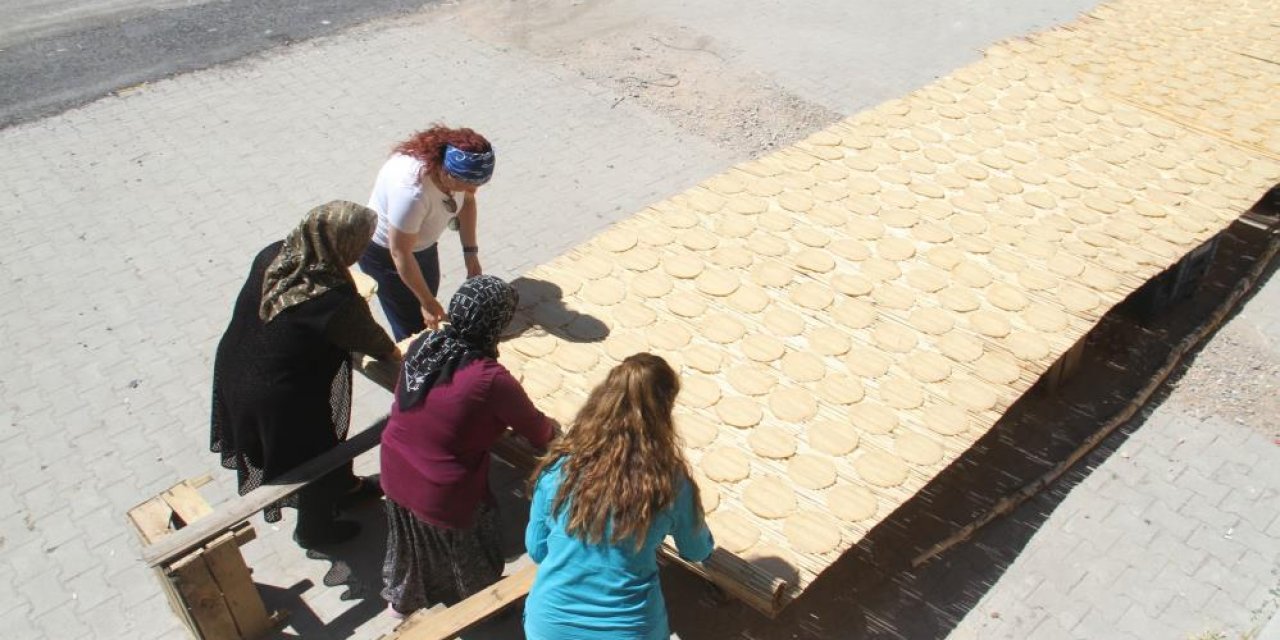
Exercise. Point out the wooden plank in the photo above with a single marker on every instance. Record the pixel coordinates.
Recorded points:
(171, 547)
(200, 592)
(461, 617)
(186, 502)
(227, 567)
(151, 519)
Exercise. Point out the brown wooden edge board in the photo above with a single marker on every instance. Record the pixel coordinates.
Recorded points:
(171, 547)
(1176, 355)
(453, 621)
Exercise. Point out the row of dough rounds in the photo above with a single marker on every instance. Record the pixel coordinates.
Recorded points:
(856, 307)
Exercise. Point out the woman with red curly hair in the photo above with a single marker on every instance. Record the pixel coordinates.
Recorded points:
(429, 183)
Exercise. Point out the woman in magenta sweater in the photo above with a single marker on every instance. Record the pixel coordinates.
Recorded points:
(453, 401)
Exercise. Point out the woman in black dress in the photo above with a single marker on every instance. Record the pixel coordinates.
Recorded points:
(282, 375)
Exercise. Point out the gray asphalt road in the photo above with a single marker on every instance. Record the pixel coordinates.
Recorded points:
(49, 63)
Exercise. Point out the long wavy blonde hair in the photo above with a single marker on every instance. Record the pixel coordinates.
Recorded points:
(623, 464)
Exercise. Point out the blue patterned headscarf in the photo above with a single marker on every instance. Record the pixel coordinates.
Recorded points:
(478, 312)
(468, 166)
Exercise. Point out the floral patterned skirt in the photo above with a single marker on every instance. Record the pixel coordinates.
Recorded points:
(427, 564)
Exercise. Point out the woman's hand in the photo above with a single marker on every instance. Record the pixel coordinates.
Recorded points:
(473, 265)
(432, 313)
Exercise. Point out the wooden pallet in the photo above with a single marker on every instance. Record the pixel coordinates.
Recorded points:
(210, 587)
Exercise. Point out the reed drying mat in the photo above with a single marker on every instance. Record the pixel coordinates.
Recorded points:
(852, 313)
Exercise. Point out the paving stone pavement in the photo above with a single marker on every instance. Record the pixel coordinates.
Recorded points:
(129, 224)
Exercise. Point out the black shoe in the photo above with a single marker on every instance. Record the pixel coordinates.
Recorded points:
(336, 533)
(367, 489)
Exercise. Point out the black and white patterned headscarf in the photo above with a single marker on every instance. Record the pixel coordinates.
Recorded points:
(478, 313)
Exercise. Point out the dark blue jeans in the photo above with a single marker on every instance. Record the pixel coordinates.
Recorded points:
(398, 302)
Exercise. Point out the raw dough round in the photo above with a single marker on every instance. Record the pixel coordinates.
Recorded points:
(900, 392)
(931, 320)
(853, 314)
(762, 348)
(959, 299)
(867, 362)
(895, 249)
(617, 239)
(751, 379)
(704, 358)
(891, 296)
(1045, 318)
(946, 419)
(733, 531)
(717, 282)
(650, 284)
(873, 417)
(769, 441)
(803, 366)
(812, 295)
(851, 504)
(769, 497)
(540, 382)
(749, 299)
(742, 413)
(917, 449)
(695, 430)
(814, 261)
(620, 346)
(1027, 346)
(604, 292)
(686, 304)
(783, 322)
(960, 347)
(1078, 299)
(833, 438)
(1006, 297)
(792, 405)
(812, 532)
(721, 328)
(880, 469)
(575, 356)
(698, 392)
(997, 368)
(682, 266)
(840, 388)
(829, 341)
(771, 273)
(726, 464)
(632, 314)
(928, 279)
(894, 337)
(972, 394)
(990, 323)
(927, 366)
(668, 335)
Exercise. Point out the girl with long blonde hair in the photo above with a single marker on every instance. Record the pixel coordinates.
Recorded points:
(605, 496)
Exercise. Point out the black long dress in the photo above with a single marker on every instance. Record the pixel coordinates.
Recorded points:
(282, 390)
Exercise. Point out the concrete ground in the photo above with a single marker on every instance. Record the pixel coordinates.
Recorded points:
(129, 224)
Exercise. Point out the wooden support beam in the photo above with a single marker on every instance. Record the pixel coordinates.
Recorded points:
(171, 547)
(454, 621)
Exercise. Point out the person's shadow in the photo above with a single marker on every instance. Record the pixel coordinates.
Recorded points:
(542, 307)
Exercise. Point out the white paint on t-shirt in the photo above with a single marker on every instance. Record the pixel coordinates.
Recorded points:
(410, 206)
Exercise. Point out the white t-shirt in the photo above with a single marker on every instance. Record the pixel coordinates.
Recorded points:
(408, 205)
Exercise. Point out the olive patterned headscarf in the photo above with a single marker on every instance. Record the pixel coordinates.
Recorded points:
(315, 256)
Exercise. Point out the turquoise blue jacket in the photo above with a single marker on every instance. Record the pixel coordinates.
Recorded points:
(592, 591)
